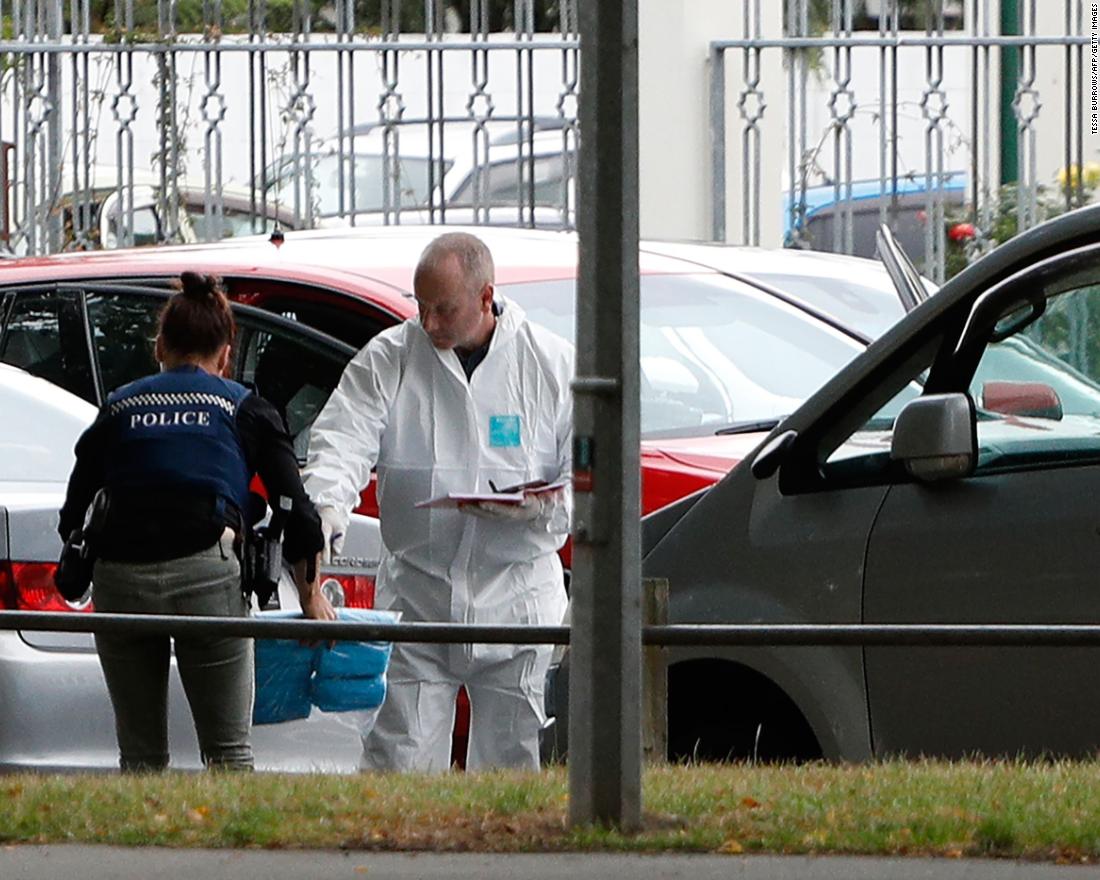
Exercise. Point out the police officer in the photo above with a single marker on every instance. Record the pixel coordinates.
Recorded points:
(175, 452)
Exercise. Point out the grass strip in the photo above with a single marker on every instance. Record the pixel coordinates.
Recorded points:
(1033, 810)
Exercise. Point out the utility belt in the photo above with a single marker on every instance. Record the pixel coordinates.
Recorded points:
(125, 525)
(114, 516)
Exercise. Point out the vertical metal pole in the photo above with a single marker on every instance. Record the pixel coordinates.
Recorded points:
(55, 16)
(1010, 77)
(605, 676)
(718, 144)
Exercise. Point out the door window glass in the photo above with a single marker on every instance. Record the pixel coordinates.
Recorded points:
(1038, 392)
(45, 336)
(124, 327)
(865, 454)
(295, 375)
(855, 448)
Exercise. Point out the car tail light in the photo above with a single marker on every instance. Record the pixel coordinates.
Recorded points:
(28, 586)
(357, 589)
(7, 586)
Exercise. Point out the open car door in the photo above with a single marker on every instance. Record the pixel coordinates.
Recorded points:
(906, 278)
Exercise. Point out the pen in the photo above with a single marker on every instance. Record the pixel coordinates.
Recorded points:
(519, 487)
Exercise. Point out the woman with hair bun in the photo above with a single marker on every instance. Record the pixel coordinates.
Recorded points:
(175, 452)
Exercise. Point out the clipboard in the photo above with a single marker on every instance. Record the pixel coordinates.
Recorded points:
(509, 495)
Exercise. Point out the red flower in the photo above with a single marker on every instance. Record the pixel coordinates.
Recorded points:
(962, 232)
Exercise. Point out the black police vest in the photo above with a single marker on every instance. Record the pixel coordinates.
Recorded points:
(177, 431)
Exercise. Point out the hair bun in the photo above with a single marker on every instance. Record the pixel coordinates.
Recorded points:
(196, 286)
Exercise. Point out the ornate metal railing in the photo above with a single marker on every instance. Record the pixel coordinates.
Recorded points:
(126, 122)
(951, 116)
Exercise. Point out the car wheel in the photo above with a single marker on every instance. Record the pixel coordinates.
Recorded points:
(723, 711)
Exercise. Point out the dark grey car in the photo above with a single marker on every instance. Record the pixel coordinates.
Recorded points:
(907, 491)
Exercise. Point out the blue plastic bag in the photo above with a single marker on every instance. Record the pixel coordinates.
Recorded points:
(292, 678)
(347, 694)
(283, 672)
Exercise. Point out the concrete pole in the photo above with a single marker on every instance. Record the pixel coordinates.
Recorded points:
(606, 650)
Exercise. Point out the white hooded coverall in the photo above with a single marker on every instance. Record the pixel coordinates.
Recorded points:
(407, 408)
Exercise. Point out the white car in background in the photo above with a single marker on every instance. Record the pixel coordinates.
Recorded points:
(496, 176)
(49, 679)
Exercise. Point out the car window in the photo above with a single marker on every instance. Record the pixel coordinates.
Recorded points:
(296, 376)
(412, 175)
(1037, 394)
(1038, 391)
(864, 456)
(124, 327)
(714, 351)
(500, 184)
(234, 222)
(45, 336)
(147, 226)
(337, 320)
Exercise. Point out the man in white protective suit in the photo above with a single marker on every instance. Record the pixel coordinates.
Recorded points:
(467, 398)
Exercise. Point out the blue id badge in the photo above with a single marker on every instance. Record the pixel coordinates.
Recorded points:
(504, 431)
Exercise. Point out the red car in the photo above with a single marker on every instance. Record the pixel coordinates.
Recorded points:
(725, 352)
(723, 355)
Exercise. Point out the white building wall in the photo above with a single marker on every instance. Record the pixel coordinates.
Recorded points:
(674, 138)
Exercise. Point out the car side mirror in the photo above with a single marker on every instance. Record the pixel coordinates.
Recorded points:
(1035, 399)
(935, 437)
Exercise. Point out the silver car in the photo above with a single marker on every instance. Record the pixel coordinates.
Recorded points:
(57, 714)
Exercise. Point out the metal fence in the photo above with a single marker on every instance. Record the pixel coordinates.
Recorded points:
(125, 122)
(668, 635)
(933, 115)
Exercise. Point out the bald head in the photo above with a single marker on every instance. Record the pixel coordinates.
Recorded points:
(474, 260)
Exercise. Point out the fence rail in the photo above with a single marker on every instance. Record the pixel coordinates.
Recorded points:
(682, 634)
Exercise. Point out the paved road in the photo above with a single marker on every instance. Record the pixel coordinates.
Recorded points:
(116, 863)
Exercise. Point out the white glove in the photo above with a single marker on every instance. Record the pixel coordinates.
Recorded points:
(332, 529)
(528, 509)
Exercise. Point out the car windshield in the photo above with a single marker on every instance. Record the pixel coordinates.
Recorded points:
(370, 170)
(714, 352)
(869, 309)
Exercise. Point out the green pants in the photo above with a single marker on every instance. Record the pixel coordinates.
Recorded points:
(217, 672)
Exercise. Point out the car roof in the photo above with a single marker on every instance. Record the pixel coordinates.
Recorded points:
(817, 197)
(340, 258)
(744, 260)
(377, 263)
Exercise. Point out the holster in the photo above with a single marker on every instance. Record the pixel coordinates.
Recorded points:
(261, 564)
(73, 576)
